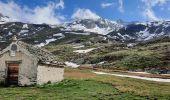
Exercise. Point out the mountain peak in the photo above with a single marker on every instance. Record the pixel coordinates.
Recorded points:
(4, 19)
(98, 26)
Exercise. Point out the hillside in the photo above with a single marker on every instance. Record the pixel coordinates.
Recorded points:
(116, 55)
(101, 42)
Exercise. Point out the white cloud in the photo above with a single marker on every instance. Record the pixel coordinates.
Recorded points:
(60, 4)
(148, 8)
(104, 5)
(84, 14)
(155, 2)
(38, 15)
(121, 8)
(149, 13)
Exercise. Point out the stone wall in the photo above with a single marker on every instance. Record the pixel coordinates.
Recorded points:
(27, 68)
(49, 74)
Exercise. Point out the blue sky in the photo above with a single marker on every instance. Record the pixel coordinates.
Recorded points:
(58, 11)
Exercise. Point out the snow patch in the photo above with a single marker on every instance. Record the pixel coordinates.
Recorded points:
(50, 40)
(40, 45)
(150, 37)
(25, 26)
(96, 29)
(59, 34)
(131, 44)
(47, 42)
(35, 41)
(71, 64)
(84, 51)
(53, 26)
(23, 31)
(79, 46)
(121, 35)
(83, 33)
(102, 62)
(9, 33)
(138, 72)
(4, 20)
(136, 77)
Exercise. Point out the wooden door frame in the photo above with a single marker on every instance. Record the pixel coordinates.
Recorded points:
(7, 65)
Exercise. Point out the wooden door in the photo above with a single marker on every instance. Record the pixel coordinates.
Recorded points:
(13, 69)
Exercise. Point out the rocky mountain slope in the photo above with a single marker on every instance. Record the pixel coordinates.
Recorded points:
(137, 32)
(83, 30)
(99, 26)
(5, 19)
(41, 34)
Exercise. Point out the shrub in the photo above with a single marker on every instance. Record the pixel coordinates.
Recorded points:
(140, 62)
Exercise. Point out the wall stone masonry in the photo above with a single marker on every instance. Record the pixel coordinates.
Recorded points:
(49, 74)
(36, 65)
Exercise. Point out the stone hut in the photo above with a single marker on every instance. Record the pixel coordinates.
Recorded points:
(23, 64)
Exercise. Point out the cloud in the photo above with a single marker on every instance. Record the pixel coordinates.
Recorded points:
(149, 13)
(38, 15)
(60, 4)
(84, 14)
(121, 8)
(105, 5)
(148, 8)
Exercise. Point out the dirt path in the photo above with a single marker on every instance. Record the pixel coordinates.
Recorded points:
(137, 77)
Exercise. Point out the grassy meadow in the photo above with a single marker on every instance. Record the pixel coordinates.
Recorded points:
(85, 85)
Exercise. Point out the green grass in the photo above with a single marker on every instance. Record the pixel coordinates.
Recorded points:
(135, 87)
(115, 54)
(78, 85)
(68, 90)
(152, 90)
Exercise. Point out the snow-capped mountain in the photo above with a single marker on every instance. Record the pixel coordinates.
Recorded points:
(98, 26)
(6, 19)
(81, 30)
(41, 34)
(142, 31)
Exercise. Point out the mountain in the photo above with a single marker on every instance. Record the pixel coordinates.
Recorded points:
(100, 26)
(41, 34)
(4, 19)
(83, 30)
(145, 31)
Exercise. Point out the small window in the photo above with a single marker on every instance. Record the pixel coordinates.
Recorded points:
(13, 49)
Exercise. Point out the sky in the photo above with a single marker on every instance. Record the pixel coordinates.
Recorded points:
(60, 11)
